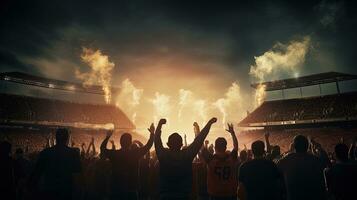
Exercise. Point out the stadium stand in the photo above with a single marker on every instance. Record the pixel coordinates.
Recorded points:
(15, 108)
(326, 118)
(342, 106)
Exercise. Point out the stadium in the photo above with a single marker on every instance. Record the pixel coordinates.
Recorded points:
(178, 100)
(30, 121)
(326, 118)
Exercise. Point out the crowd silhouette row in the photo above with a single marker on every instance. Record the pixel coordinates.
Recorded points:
(180, 172)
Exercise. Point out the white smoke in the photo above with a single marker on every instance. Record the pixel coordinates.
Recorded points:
(228, 105)
(200, 108)
(281, 59)
(162, 107)
(185, 96)
(100, 73)
(129, 98)
(259, 96)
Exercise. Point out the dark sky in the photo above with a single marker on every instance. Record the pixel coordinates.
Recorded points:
(213, 38)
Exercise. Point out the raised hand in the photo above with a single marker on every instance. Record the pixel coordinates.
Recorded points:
(233, 134)
(212, 121)
(195, 124)
(109, 133)
(196, 128)
(151, 129)
(230, 128)
(162, 121)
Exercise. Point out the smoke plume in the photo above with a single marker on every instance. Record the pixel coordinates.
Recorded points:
(184, 99)
(162, 106)
(229, 104)
(259, 95)
(200, 107)
(129, 98)
(100, 73)
(281, 59)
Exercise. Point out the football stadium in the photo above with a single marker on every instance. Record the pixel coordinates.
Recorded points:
(178, 100)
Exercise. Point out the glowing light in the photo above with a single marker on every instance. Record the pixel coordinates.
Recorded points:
(129, 98)
(161, 105)
(201, 108)
(230, 102)
(184, 97)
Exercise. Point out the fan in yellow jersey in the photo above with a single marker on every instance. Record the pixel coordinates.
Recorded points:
(222, 169)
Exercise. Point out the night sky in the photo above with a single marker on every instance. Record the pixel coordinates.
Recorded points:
(184, 44)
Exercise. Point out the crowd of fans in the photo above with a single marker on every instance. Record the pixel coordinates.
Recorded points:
(25, 108)
(311, 108)
(200, 170)
(327, 136)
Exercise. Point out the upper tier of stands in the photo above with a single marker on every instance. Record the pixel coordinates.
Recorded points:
(30, 109)
(310, 108)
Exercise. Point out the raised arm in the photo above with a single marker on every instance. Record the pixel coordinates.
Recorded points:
(195, 146)
(83, 151)
(196, 128)
(143, 150)
(52, 140)
(266, 136)
(158, 142)
(234, 137)
(185, 140)
(91, 146)
(48, 143)
(103, 147)
(320, 152)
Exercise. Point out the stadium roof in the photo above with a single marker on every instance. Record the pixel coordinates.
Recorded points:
(304, 81)
(27, 79)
